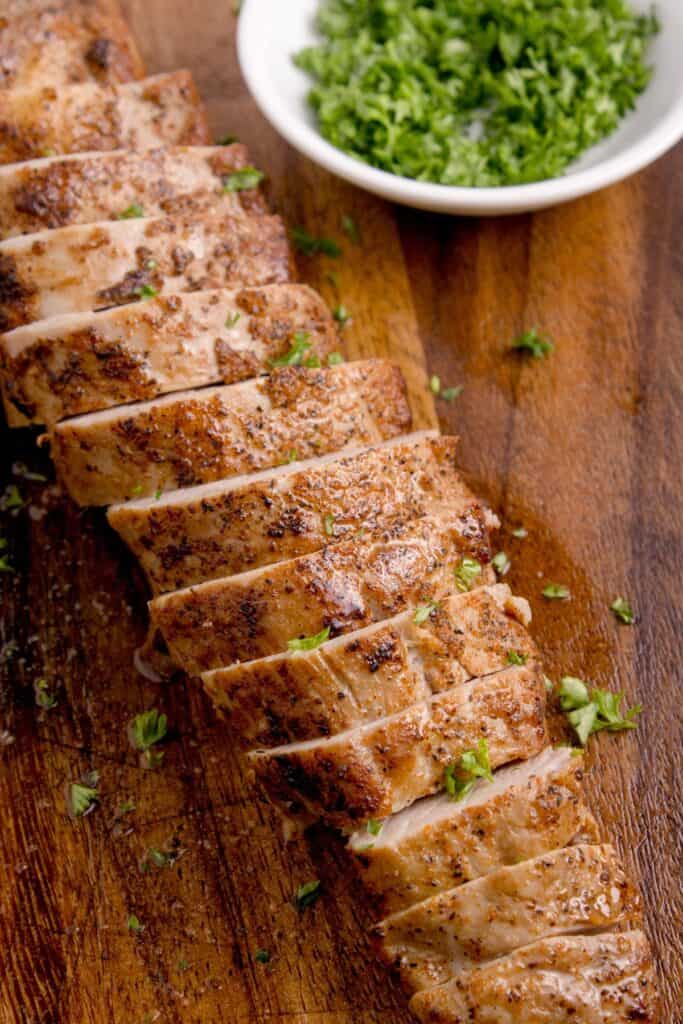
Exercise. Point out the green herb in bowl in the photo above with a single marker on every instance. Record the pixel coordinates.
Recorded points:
(475, 92)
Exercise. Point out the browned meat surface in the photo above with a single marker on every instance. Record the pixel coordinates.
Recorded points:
(573, 979)
(41, 122)
(88, 187)
(578, 889)
(231, 526)
(79, 362)
(196, 436)
(372, 673)
(341, 588)
(65, 42)
(438, 843)
(386, 765)
(214, 244)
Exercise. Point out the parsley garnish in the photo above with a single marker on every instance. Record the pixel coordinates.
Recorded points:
(44, 697)
(501, 563)
(158, 493)
(335, 358)
(146, 291)
(132, 211)
(262, 956)
(533, 343)
(309, 643)
(520, 533)
(147, 729)
(596, 711)
(307, 894)
(328, 523)
(291, 456)
(423, 611)
(475, 94)
(623, 611)
(226, 140)
(447, 394)
(309, 245)
(134, 924)
(341, 314)
(238, 181)
(232, 319)
(11, 499)
(295, 355)
(459, 778)
(374, 826)
(466, 573)
(556, 592)
(82, 796)
(183, 965)
(516, 658)
(351, 228)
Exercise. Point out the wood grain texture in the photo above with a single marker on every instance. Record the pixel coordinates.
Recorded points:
(584, 449)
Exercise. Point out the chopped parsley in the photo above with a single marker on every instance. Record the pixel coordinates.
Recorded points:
(623, 611)
(307, 894)
(460, 777)
(466, 573)
(328, 523)
(231, 319)
(238, 181)
(501, 563)
(291, 456)
(423, 611)
(556, 592)
(226, 140)
(335, 358)
(517, 658)
(309, 643)
(520, 533)
(262, 956)
(596, 711)
(309, 245)
(134, 924)
(132, 211)
(12, 499)
(183, 965)
(481, 94)
(350, 228)
(341, 314)
(45, 698)
(532, 342)
(295, 356)
(435, 384)
(374, 826)
(146, 291)
(158, 493)
(82, 796)
(447, 394)
(145, 731)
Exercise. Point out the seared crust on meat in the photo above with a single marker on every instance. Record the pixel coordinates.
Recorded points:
(214, 244)
(80, 362)
(372, 673)
(439, 843)
(571, 979)
(384, 766)
(88, 187)
(216, 530)
(580, 888)
(343, 587)
(195, 436)
(163, 110)
(66, 42)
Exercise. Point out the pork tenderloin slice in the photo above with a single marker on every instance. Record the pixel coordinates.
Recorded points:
(569, 979)
(67, 42)
(578, 889)
(81, 362)
(202, 533)
(372, 673)
(193, 437)
(384, 766)
(95, 266)
(83, 188)
(439, 843)
(163, 110)
(342, 587)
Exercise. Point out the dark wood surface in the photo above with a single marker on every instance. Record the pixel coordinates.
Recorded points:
(584, 449)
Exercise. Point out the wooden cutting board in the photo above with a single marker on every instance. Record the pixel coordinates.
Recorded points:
(584, 449)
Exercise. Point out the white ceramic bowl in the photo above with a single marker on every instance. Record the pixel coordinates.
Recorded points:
(271, 31)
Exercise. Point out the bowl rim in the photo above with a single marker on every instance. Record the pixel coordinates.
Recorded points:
(664, 134)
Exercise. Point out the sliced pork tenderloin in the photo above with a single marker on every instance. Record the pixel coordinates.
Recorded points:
(384, 766)
(578, 889)
(342, 587)
(214, 244)
(438, 843)
(84, 188)
(65, 42)
(371, 673)
(569, 979)
(81, 362)
(163, 110)
(192, 437)
(218, 529)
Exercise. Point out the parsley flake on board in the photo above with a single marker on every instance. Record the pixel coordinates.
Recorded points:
(238, 181)
(351, 228)
(460, 777)
(147, 729)
(532, 342)
(466, 573)
(335, 359)
(341, 314)
(309, 245)
(596, 711)
(262, 956)
(623, 611)
(309, 643)
(556, 592)
(475, 94)
(501, 563)
(307, 894)
(45, 698)
(134, 924)
(82, 796)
